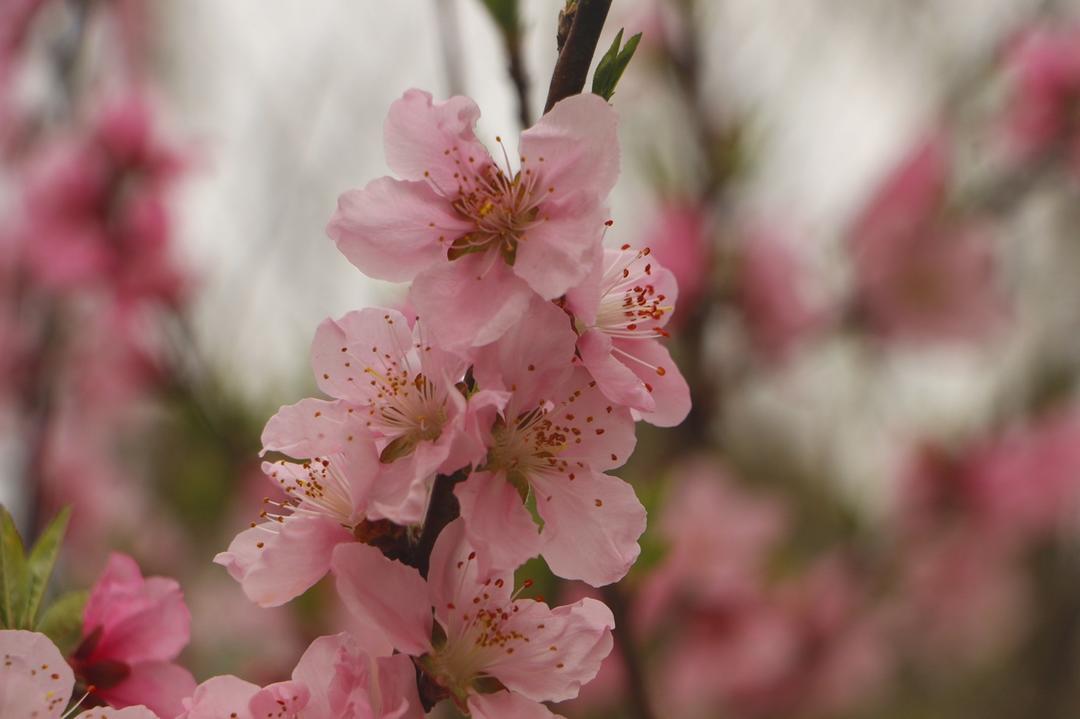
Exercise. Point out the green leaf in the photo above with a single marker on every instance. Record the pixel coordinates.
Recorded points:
(13, 573)
(63, 619)
(505, 14)
(612, 65)
(41, 562)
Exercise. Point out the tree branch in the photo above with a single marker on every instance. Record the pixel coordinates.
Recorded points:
(576, 54)
(442, 509)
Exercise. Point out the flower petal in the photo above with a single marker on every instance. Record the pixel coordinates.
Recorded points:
(618, 383)
(469, 302)
(311, 428)
(498, 525)
(581, 636)
(507, 704)
(579, 143)
(218, 697)
(159, 686)
(422, 136)
(35, 681)
(559, 253)
(390, 594)
(392, 230)
(669, 390)
(274, 567)
(591, 525)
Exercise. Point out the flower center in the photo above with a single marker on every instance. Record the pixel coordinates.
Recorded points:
(630, 307)
(480, 635)
(528, 445)
(315, 487)
(408, 408)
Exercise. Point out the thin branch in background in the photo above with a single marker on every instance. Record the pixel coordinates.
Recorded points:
(639, 705)
(450, 40)
(507, 19)
(518, 75)
(577, 52)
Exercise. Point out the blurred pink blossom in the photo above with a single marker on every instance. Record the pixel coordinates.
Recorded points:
(718, 538)
(95, 210)
(961, 597)
(773, 296)
(920, 274)
(1014, 486)
(1045, 66)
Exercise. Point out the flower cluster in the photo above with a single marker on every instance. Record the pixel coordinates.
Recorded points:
(533, 352)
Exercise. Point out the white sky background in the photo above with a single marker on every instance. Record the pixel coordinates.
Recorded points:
(285, 101)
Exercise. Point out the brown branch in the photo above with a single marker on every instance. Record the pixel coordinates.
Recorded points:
(442, 509)
(640, 707)
(576, 54)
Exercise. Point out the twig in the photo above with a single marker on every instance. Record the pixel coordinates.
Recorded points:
(442, 509)
(576, 54)
(640, 708)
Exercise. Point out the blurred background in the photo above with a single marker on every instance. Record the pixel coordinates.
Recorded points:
(871, 208)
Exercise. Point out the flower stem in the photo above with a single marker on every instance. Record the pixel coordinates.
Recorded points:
(575, 56)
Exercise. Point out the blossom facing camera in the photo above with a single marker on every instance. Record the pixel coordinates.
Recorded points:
(467, 229)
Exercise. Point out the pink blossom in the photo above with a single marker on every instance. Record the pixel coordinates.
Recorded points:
(718, 537)
(920, 275)
(334, 679)
(537, 653)
(95, 209)
(555, 438)
(1013, 487)
(961, 596)
(1045, 64)
(133, 630)
(772, 294)
(396, 419)
(36, 682)
(403, 391)
(809, 645)
(467, 230)
(620, 312)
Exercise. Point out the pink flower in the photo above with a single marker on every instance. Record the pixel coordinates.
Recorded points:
(95, 210)
(369, 454)
(1013, 487)
(1045, 64)
(469, 231)
(403, 390)
(961, 596)
(36, 682)
(772, 295)
(620, 312)
(334, 679)
(718, 536)
(487, 633)
(554, 439)
(133, 630)
(920, 275)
